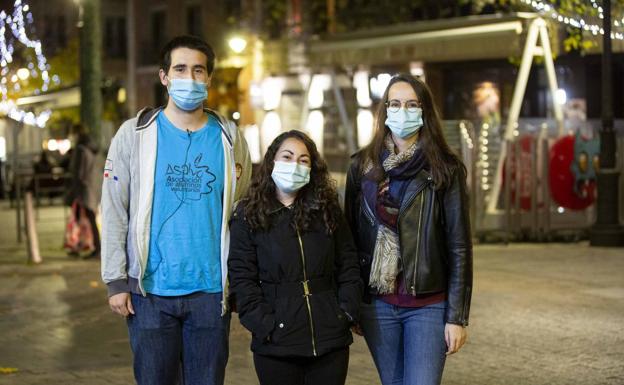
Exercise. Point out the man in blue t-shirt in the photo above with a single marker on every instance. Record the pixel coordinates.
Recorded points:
(171, 178)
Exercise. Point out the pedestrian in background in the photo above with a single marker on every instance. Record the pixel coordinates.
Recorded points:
(171, 179)
(293, 268)
(84, 193)
(407, 205)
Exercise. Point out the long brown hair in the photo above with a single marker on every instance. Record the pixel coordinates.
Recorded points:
(442, 161)
(318, 197)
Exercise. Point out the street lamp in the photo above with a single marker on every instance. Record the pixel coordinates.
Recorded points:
(607, 230)
(237, 44)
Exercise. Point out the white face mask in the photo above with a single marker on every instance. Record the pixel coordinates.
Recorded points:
(290, 177)
(404, 123)
(187, 94)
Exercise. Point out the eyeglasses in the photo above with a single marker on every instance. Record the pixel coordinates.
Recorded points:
(411, 105)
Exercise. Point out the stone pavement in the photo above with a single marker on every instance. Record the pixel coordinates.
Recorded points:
(549, 314)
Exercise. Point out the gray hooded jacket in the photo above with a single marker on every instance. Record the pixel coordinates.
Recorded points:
(128, 192)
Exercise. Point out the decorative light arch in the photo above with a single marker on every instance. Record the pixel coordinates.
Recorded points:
(577, 22)
(16, 23)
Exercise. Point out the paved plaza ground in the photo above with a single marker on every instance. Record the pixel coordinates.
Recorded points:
(542, 314)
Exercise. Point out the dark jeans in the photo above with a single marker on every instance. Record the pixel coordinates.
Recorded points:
(328, 369)
(181, 337)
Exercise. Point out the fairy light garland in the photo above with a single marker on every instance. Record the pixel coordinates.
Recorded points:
(484, 157)
(16, 24)
(577, 22)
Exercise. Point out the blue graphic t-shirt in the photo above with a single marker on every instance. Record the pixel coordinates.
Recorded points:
(185, 240)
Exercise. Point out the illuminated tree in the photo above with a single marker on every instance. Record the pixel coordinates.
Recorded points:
(23, 65)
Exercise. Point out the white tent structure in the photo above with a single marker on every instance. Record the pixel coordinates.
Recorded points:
(538, 32)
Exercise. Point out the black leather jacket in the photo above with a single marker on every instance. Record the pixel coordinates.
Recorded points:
(434, 234)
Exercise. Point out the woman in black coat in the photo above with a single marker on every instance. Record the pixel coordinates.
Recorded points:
(293, 268)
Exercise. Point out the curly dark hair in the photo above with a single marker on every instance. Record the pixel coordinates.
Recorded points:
(316, 199)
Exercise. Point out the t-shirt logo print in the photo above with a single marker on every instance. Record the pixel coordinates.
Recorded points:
(190, 181)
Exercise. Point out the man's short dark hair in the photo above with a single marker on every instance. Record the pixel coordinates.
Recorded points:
(187, 41)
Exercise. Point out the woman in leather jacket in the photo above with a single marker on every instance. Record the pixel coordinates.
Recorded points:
(293, 268)
(407, 205)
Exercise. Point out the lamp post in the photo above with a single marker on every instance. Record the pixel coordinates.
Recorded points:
(90, 66)
(607, 230)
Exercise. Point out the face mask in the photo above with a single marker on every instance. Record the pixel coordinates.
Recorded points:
(404, 123)
(290, 176)
(187, 94)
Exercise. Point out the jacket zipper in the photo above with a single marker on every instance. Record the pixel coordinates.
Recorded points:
(421, 193)
(306, 292)
(368, 213)
(420, 215)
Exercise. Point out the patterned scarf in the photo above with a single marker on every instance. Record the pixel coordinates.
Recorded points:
(385, 199)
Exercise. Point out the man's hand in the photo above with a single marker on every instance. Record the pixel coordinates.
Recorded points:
(121, 304)
(455, 337)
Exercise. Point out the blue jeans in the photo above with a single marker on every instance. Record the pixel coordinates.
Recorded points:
(179, 339)
(407, 344)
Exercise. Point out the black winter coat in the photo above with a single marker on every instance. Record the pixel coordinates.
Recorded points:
(286, 316)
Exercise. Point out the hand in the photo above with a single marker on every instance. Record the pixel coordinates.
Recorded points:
(121, 304)
(357, 329)
(455, 337)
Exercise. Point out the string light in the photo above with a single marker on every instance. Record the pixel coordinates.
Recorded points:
(466, 135)
(579, 22)
(17, 26)
(483, 159)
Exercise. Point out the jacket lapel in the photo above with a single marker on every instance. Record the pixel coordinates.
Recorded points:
(416, 185)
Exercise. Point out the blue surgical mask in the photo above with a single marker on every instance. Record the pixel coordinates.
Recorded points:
(404, 123)
(290, 177)
(187, 94)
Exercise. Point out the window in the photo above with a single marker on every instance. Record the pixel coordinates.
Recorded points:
(61, 28)
(233, 9)
(115, 37)
(194, 20)
(50, 33)
(158, 20)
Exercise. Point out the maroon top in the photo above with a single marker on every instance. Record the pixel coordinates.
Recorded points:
(401, 297)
